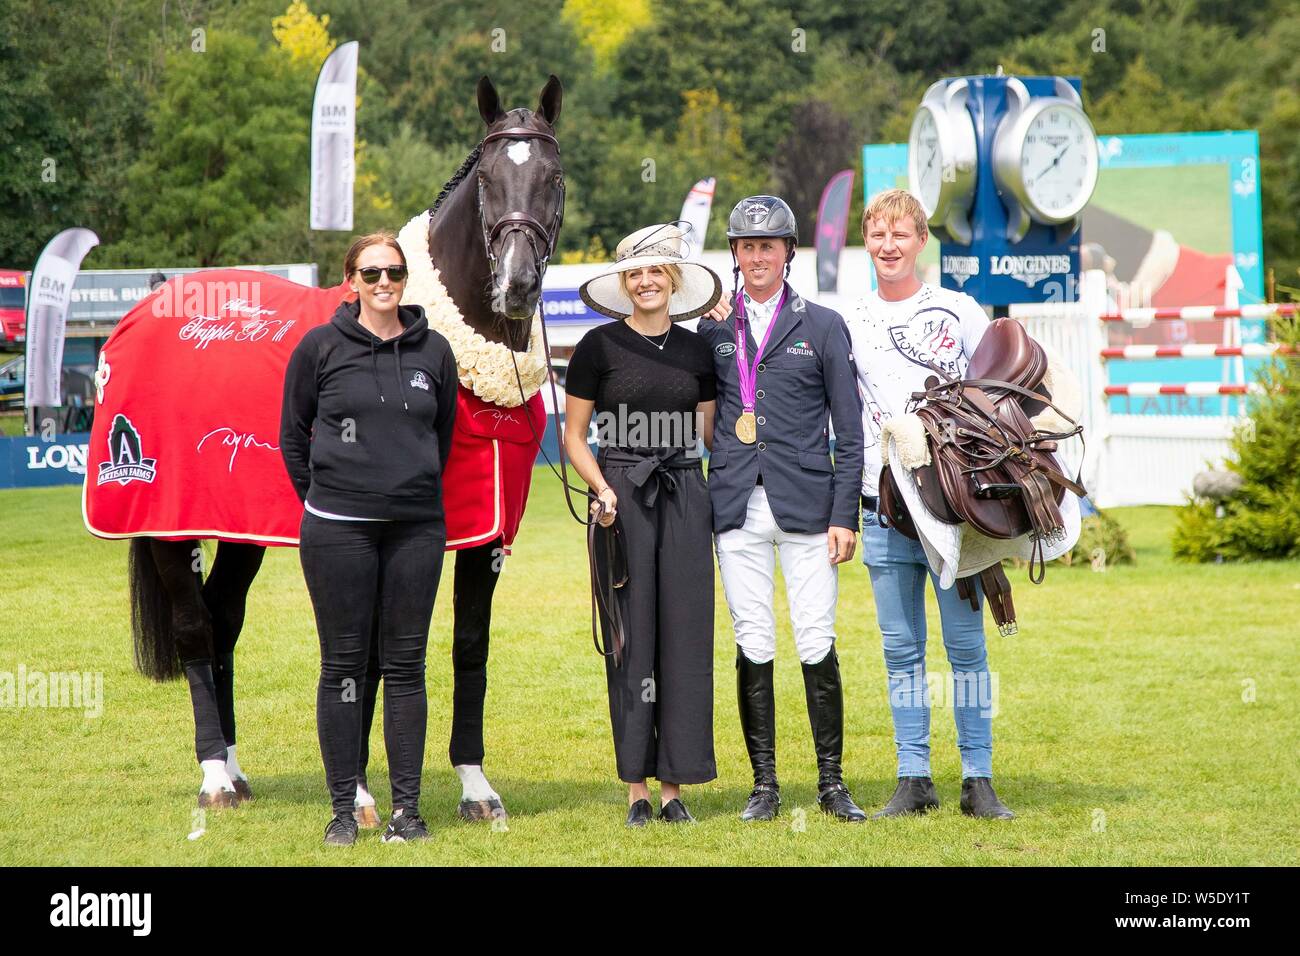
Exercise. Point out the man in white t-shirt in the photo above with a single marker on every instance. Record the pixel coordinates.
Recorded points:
(901, 332)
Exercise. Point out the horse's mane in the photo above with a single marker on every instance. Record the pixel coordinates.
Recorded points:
(456, 179)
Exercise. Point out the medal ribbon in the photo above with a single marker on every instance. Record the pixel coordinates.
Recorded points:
(746, 371)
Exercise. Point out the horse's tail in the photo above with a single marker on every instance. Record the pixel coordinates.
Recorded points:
(151, 616)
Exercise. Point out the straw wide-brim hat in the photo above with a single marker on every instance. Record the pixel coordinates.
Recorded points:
(663, 244)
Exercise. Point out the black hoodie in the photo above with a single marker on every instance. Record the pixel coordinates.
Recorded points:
(366, 424)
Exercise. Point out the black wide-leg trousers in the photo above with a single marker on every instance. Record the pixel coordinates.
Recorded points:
(661, 698)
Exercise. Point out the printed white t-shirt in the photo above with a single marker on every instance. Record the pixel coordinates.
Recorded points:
(893, 341)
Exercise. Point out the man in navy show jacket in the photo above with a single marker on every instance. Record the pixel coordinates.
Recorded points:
(783, 493)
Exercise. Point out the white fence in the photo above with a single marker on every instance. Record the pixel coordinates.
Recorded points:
(1138, 459)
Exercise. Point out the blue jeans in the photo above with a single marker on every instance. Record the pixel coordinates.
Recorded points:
(898, 571)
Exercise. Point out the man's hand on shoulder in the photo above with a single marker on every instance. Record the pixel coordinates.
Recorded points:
(720, 312)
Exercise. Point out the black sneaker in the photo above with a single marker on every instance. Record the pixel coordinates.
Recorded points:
(405, 826)
(342, 831)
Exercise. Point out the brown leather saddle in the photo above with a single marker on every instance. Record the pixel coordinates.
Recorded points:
(989, 466)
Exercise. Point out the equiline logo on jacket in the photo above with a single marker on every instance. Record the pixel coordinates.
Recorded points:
(801, 348)
(125, 462)
(420, 380)
(930, 336)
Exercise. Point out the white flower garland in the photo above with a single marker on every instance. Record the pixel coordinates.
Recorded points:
(485, 367)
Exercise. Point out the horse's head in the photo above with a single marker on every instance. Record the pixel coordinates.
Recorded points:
(520, 196)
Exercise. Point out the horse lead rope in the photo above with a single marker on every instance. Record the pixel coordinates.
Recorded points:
(615, 551)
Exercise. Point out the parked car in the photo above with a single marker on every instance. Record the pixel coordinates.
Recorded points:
(12, 381)
(76, 382)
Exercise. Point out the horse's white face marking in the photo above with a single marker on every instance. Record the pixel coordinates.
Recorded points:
(519, 152)
(504, 288)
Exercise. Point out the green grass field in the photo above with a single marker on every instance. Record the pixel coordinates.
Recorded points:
(1147, 715)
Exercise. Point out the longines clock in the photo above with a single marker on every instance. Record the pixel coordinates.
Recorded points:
(1045, 159)
(942, 158)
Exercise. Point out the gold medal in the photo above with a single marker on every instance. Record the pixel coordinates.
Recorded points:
(747, 428)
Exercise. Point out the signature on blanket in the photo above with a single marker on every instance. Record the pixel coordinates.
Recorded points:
(497, 417)
(235, 440)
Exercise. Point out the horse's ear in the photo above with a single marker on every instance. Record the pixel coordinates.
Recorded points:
(489, 103)
(549, 103)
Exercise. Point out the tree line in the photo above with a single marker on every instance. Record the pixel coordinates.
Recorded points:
(179, 131)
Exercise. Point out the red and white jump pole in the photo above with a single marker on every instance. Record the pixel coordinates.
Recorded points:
(1190, 388)
(1200, 313)
(1195, 351)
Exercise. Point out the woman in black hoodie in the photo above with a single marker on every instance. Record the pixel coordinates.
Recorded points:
(369, 404)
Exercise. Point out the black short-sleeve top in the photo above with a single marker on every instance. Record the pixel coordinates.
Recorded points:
(629, 379)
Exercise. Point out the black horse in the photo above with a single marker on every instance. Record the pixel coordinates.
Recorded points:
(492, 230)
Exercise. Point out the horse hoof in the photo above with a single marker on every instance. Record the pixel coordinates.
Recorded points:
(242, 790)
(367, 817)
(473, 811)
(218, 800)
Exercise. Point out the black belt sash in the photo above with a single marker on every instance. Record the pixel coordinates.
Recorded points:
(650, 472)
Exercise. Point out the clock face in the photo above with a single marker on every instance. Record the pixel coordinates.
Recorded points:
(926, 159)
(1058, 162)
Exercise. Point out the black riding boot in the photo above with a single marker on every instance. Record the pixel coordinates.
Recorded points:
(825, 695)
(758, 722)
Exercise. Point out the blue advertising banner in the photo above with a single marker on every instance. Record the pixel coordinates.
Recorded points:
(33, 463)
(1171, 211)
(1233, 161)
(565, 305)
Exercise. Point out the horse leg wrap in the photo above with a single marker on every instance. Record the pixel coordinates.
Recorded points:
(209, 743)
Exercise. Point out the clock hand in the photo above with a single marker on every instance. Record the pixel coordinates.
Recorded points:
(1053, 163)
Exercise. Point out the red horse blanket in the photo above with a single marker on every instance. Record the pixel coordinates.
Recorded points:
(185, 442)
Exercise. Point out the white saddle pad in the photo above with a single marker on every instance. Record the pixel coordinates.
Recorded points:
(957, 551)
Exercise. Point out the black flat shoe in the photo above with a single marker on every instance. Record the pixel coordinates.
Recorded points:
(764, 802)
(640, 813)
(674, 811)
(913, 795)
(836, 800)
(979, 800)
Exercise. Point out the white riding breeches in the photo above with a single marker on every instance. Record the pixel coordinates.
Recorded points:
(746, 558)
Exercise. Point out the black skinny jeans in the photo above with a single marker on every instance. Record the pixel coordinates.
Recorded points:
(352, 568)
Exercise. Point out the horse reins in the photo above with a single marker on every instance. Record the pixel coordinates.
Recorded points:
(602, 599)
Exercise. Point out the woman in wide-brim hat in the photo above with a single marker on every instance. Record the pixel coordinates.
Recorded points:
(695, 287)
(651, 387)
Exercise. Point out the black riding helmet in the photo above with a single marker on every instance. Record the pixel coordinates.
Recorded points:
(761, 217)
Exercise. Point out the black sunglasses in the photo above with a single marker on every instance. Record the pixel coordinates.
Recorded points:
(370, 274)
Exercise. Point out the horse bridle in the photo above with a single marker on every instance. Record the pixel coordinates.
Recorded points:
(519, 221)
